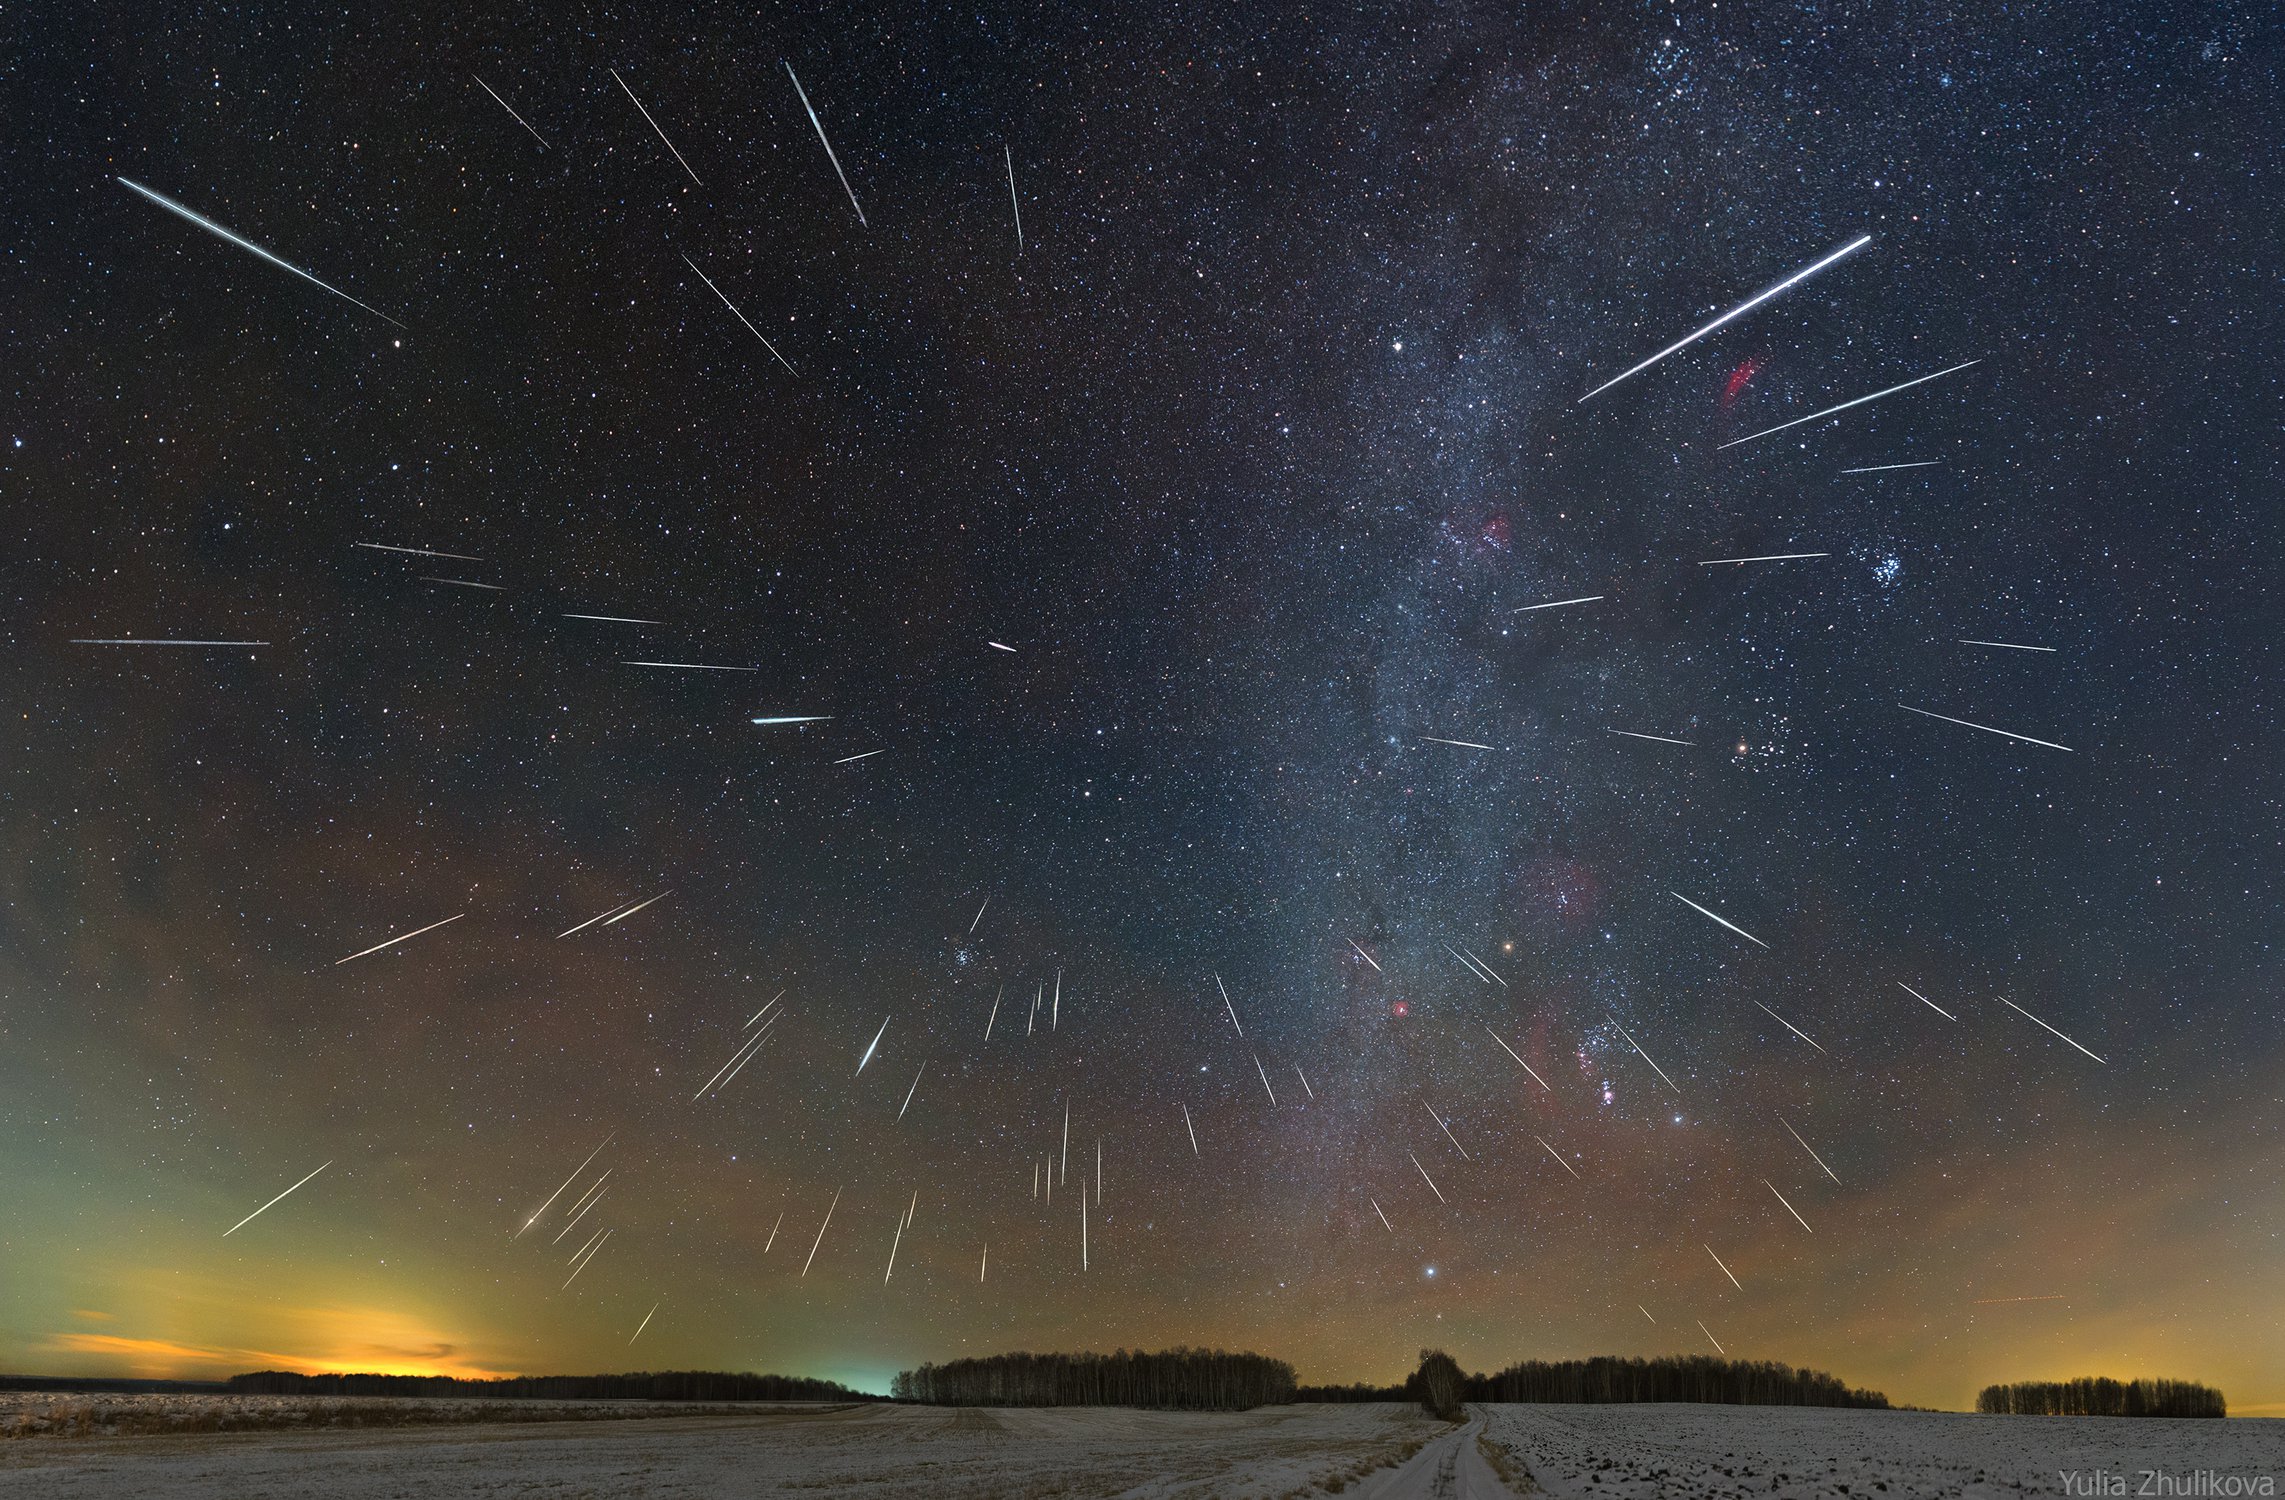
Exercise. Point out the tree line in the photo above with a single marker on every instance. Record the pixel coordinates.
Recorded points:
(1441, 1386)
(661, 1385)
(2099, 1396)
(1181, 1379)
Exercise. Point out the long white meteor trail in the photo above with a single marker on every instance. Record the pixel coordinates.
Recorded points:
(1557, 603)
(466, 583)
(1463, 744)
(908, 1093)
(875, 1042)
(828, 145)
(2006, 645)
(1789, 1208)
(1804, 1145)
(401, 937)
(1709, 1333)
(1192, 1129)
(1233, 1010)
(1258, 1068)
(1367, 957)
(995, 1015)
(2042, 1025)
(630, 93)
(567, 1182)
(996, 646)
(1487, 968)
(591, 921)
(987, 901)
(1385, 1224)
(1527, 1067)
(1424, 1177)
(638, 906)
(1559, 1161)
(265, 1208)
(1662, 739)
(611, 619)
(791, 719)
(849, 760)
(213, 228)
(1448, 1135)
(520, 120)
(639, 1327)
(836, 1203)
(170, 642)
(1924, 1000)
(1719, 562)
(1845, 405)
(416, 551)
(1986, 728)
(1926, 463)
(691, 666)
(1736, 312)
(1789, 1026)
(741, 317)
(1646, 1057)
(1009, 152)
(1726, 922)
(1726, 1271)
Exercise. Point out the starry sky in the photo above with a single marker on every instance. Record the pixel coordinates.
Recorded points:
(1250, 459)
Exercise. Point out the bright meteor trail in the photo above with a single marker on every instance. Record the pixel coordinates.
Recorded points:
(1845, 405)
(213, 228)
(1736, 312)
(265, 1208)
(829, 156)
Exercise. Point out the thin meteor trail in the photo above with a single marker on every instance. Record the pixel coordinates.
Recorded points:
(1487, 968)
(1726, 1271)
(463, 583)
(612, 619)
(745, 1049)
(1559, 1161)
(1789, 1026)
(893, 1244)
(630, 93)
(1474, 967)
(2042, 1025)
(908, 1093)
(1924, 1000)
(1717, 1343)
(1258, 1068)
(587, 1199)
(1558, 603)
(638, 906)
(1738, 311)
(1527, 1067)
(1637, 1046)
(1448, 1135)
(751, 1052)
(995, 1015)
(1010, 154)
(1192, 1129)
(1305, 1088)
(584, 1246)
(1463, 744)
(573, 1222)
(416, 551)
(828, 145)
(1055, 1010)
(875, 1042)
(1662, 739)
(1804, 1145)
(1988, 1301)
(1716, 562)
(1424, 1177)
(836, 1203)
(400, 937)
(791, 719)
(520, 120)
(1926, 463)
(741, 317)
(130, 642)
(1986, 728)
(1789, 1208)
(1726, 922)
(979, 916)
(213, 228)
(1638, 1307)
(1367, 957)
(1063, 1172)
(765, 1010)
(598, 1250)
(265, 1208)
(1233, 1010)
(690, 666)
(567, 1182)
(866, 755)
(773, 1239)
(645, 1323)
(1376, 1203)
(985, 1264)
(2007, 645)
(1845, 405)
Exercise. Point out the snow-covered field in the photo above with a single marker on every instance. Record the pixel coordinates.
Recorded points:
(1377, 1452)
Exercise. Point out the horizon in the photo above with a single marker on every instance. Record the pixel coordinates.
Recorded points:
(825, 692)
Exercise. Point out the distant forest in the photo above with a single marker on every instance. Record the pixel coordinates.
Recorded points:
(1440, 1386)
(664, 1385)
(2096, 1396)
(1182, 1379)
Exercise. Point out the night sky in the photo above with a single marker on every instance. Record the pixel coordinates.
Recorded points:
(1255, 455)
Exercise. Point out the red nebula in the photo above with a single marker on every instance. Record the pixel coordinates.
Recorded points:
(1738, 380)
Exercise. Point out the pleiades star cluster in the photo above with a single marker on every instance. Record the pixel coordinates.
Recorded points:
(1022, 677)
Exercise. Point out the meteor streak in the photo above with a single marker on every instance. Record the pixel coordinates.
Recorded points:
(612, 619)
(213, 228)
(1559, 1161)
(265, 1208)
(1527, 1067)
(1662, 739)
(2007, 645)
(1738, 311)
(1463, 744)
(1258, 1068)
(1717, 1343)
(995, 1015)
(866, 755)
(1424, 1177)
(741, 317)
(875, 1042)
(1789, 1208)
(1926, 463)
(1845, 405)
(829, 156)
(1186, 1125)
(1448, 1135)
(591, 1254)
(996, 646)
(399, 938)
(1385, 1224)
(1986, 728)
(2042, 1025)
(979, 915)
(836, 1203)
(1233, 1010)
(691, 666)
(520, 120)
(1726, 922)
(1716, 562)
(1726, 1271)
(416, 551)
(630, 93)
(792, 719)
(1789, 1026)
(1637, 1046)
(463, 583)
(1924, 1000)
(645, 1323)
(1012, 203)
(1367, 957)
(638, 906)
(568, 1181)
(1558, 603)
(166, 643)
(1804, 1145)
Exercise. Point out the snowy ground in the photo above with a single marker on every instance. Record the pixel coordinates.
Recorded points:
(1374, 1452)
